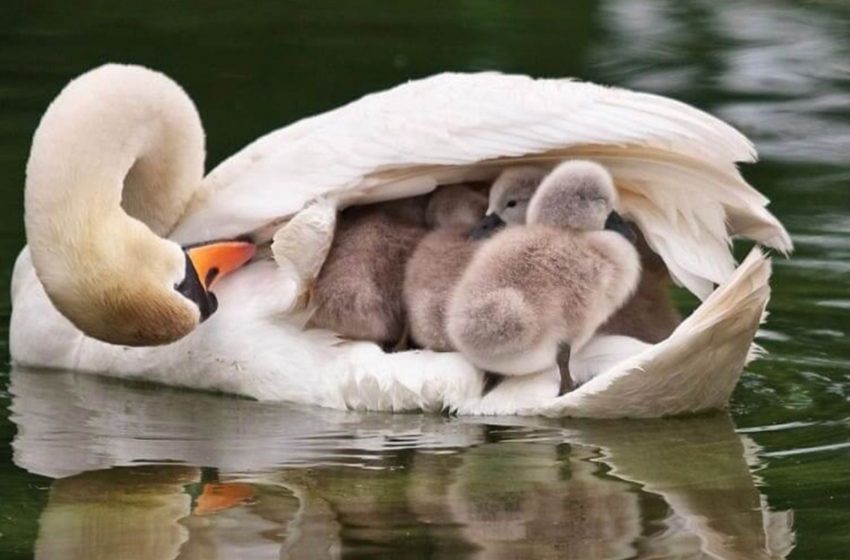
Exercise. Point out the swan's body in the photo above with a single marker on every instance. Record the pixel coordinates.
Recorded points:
(674, 166)
(438, 262)
(530, 289)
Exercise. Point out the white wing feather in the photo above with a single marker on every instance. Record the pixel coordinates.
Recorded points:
(674, 164)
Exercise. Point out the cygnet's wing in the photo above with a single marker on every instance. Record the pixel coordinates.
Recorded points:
(694, 369)
(674, 164)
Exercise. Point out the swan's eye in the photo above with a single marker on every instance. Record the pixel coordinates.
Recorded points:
(511, 204)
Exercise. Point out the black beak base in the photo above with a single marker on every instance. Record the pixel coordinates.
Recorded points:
(487, 227)
(615, 222)
(192, 288)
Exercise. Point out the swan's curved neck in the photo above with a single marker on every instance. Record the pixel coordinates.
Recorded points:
(113, 165)
(116, 137)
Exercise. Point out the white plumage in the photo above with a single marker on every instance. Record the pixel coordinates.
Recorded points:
(675, 170)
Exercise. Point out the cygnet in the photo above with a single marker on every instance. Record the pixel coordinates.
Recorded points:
(438, 262)
(530, 289)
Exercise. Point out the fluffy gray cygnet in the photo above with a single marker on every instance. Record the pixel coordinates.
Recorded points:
(358, 292)
(509, 198)
(530, 289)
(438, 262)
(649, 315)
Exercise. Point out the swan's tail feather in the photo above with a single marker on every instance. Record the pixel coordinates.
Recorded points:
(695, 369)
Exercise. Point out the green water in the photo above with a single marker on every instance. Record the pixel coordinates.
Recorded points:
(93, 468)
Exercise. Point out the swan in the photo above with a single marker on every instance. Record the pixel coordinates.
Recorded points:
(554, 281)
(674, 166)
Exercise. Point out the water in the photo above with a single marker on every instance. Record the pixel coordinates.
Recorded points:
(94, 468)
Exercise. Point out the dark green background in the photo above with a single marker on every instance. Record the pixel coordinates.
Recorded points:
(780, 71)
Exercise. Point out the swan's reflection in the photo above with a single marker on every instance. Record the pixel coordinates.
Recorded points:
(310, 483)
(133, 513)
(515, 498)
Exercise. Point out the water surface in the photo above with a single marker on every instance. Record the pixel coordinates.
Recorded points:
(95, 468)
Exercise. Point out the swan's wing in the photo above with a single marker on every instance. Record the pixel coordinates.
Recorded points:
(674, 164)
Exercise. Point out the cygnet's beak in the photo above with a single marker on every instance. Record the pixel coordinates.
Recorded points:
(490, 224)
(615, 222)
(205, 264)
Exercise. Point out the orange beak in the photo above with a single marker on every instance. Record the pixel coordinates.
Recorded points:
(215, 260)
(221, 496)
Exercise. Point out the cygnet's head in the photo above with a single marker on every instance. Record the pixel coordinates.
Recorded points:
(509, 198)
(577, 195)
(456, 206)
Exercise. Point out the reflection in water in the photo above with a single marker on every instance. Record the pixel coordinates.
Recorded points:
(132, 513)
(322, 482)
(785, 62)
(704, 472)
(512, 498)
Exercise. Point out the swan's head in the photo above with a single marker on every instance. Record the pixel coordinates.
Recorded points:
(132, 288)
(114, 163)
(577, 195)
(456, 206)
(509, 198)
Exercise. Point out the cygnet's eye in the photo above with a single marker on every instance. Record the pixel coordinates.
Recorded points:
(510, 204)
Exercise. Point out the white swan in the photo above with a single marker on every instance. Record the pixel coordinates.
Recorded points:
(675, 172)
